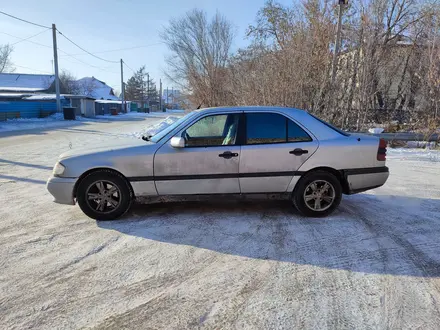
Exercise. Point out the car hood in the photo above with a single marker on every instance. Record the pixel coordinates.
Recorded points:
(111, 145)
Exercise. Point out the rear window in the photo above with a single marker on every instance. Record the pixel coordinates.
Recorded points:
(330, 126)
(267, 128)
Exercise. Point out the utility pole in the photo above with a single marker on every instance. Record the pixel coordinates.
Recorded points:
(148, 90)
(338, 39)
(142, 95)
(122, 86)
(160, 95)
(55, 58)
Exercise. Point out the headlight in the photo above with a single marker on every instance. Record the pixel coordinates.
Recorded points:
(58, 169)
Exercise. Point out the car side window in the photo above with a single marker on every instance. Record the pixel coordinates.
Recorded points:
(296, 133)
(268, 128)
(213, 130)
(262, 128)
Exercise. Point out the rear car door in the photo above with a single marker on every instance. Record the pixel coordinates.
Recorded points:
(273, 150)
(208, 164)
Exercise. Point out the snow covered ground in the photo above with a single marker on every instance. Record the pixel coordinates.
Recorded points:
(414, 154)
(57, 120)
(375, 263)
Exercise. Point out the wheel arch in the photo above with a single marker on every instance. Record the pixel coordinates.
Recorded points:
(97, 169)
(337, 173)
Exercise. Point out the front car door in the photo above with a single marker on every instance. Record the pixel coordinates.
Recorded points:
(208, 164)
(274, 149)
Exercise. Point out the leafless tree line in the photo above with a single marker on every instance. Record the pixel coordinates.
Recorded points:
(388, 67)
(5, 59)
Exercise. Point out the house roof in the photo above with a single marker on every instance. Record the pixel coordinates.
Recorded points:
(101, 89)
(43, 97)
(24, 82)
(13, 95)
(109, 101)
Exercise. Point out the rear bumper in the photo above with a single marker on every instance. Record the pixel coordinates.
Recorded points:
(359, 180)
(61, 189)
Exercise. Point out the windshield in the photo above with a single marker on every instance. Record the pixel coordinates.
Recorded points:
(161, 134)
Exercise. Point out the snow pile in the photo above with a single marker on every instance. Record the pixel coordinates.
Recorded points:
(55, 120)
(414, 154)
(420, 144)
(154, 129)
(175, 111)
(42, 97)
(376, 130)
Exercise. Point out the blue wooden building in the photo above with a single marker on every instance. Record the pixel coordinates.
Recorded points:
(24, 106)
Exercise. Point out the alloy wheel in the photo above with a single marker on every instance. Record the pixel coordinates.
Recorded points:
(103, 196)
(319, 195)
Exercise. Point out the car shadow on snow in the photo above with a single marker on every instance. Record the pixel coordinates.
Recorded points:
(368, 233)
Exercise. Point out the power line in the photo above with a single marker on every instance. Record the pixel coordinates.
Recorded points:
(23, 20)
(120, 49)
(26, 39)
(25, 67)
(85, 63)
(128, 67)
(62, 51)
(100, 58)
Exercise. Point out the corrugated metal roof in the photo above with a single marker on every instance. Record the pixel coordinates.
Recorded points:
(25, 82)
(109, 101)
(13, 95)
(42, 97)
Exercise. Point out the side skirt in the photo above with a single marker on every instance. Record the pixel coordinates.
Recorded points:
(213, 197)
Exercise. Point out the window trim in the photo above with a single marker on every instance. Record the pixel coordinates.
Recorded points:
(211, 115)
(244, 137)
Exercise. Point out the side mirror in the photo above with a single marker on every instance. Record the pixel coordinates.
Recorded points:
(178, 142)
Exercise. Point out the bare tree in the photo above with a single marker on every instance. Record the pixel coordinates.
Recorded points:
(86, 87)
(5, 58)
(388, 67)
(200, 51)
(69, 83)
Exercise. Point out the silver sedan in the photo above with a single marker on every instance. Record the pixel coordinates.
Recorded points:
(225, 151)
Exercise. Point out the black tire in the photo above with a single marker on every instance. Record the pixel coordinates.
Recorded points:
(123, 196)
(317, 177)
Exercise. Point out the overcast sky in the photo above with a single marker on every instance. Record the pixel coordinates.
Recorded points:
(98, 26)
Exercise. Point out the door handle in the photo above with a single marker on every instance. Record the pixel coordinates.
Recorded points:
(298, 152)
(228, 155)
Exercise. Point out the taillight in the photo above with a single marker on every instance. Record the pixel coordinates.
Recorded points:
(382, 151)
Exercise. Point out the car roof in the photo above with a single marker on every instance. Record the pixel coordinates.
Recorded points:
(302, 117)
(252, 108)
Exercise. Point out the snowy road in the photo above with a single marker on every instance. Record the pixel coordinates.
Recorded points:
(374, 264)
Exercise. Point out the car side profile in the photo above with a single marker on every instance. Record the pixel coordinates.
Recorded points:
(227, 151)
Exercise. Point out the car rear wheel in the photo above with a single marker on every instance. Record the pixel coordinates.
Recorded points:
(104, 195)
(317, 194)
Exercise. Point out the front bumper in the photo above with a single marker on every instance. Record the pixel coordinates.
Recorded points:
(61, 189)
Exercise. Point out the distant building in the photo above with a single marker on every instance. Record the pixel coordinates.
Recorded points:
(170, 96)
(396, 88)
(28, 83)
(97, 89)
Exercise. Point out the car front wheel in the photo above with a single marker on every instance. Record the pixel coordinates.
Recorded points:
(104, 195)
(317, 194)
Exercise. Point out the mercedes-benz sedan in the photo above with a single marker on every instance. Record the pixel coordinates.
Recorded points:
(225, 151)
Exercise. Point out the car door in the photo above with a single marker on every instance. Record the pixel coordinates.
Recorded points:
(274, 148)
(207, 164)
